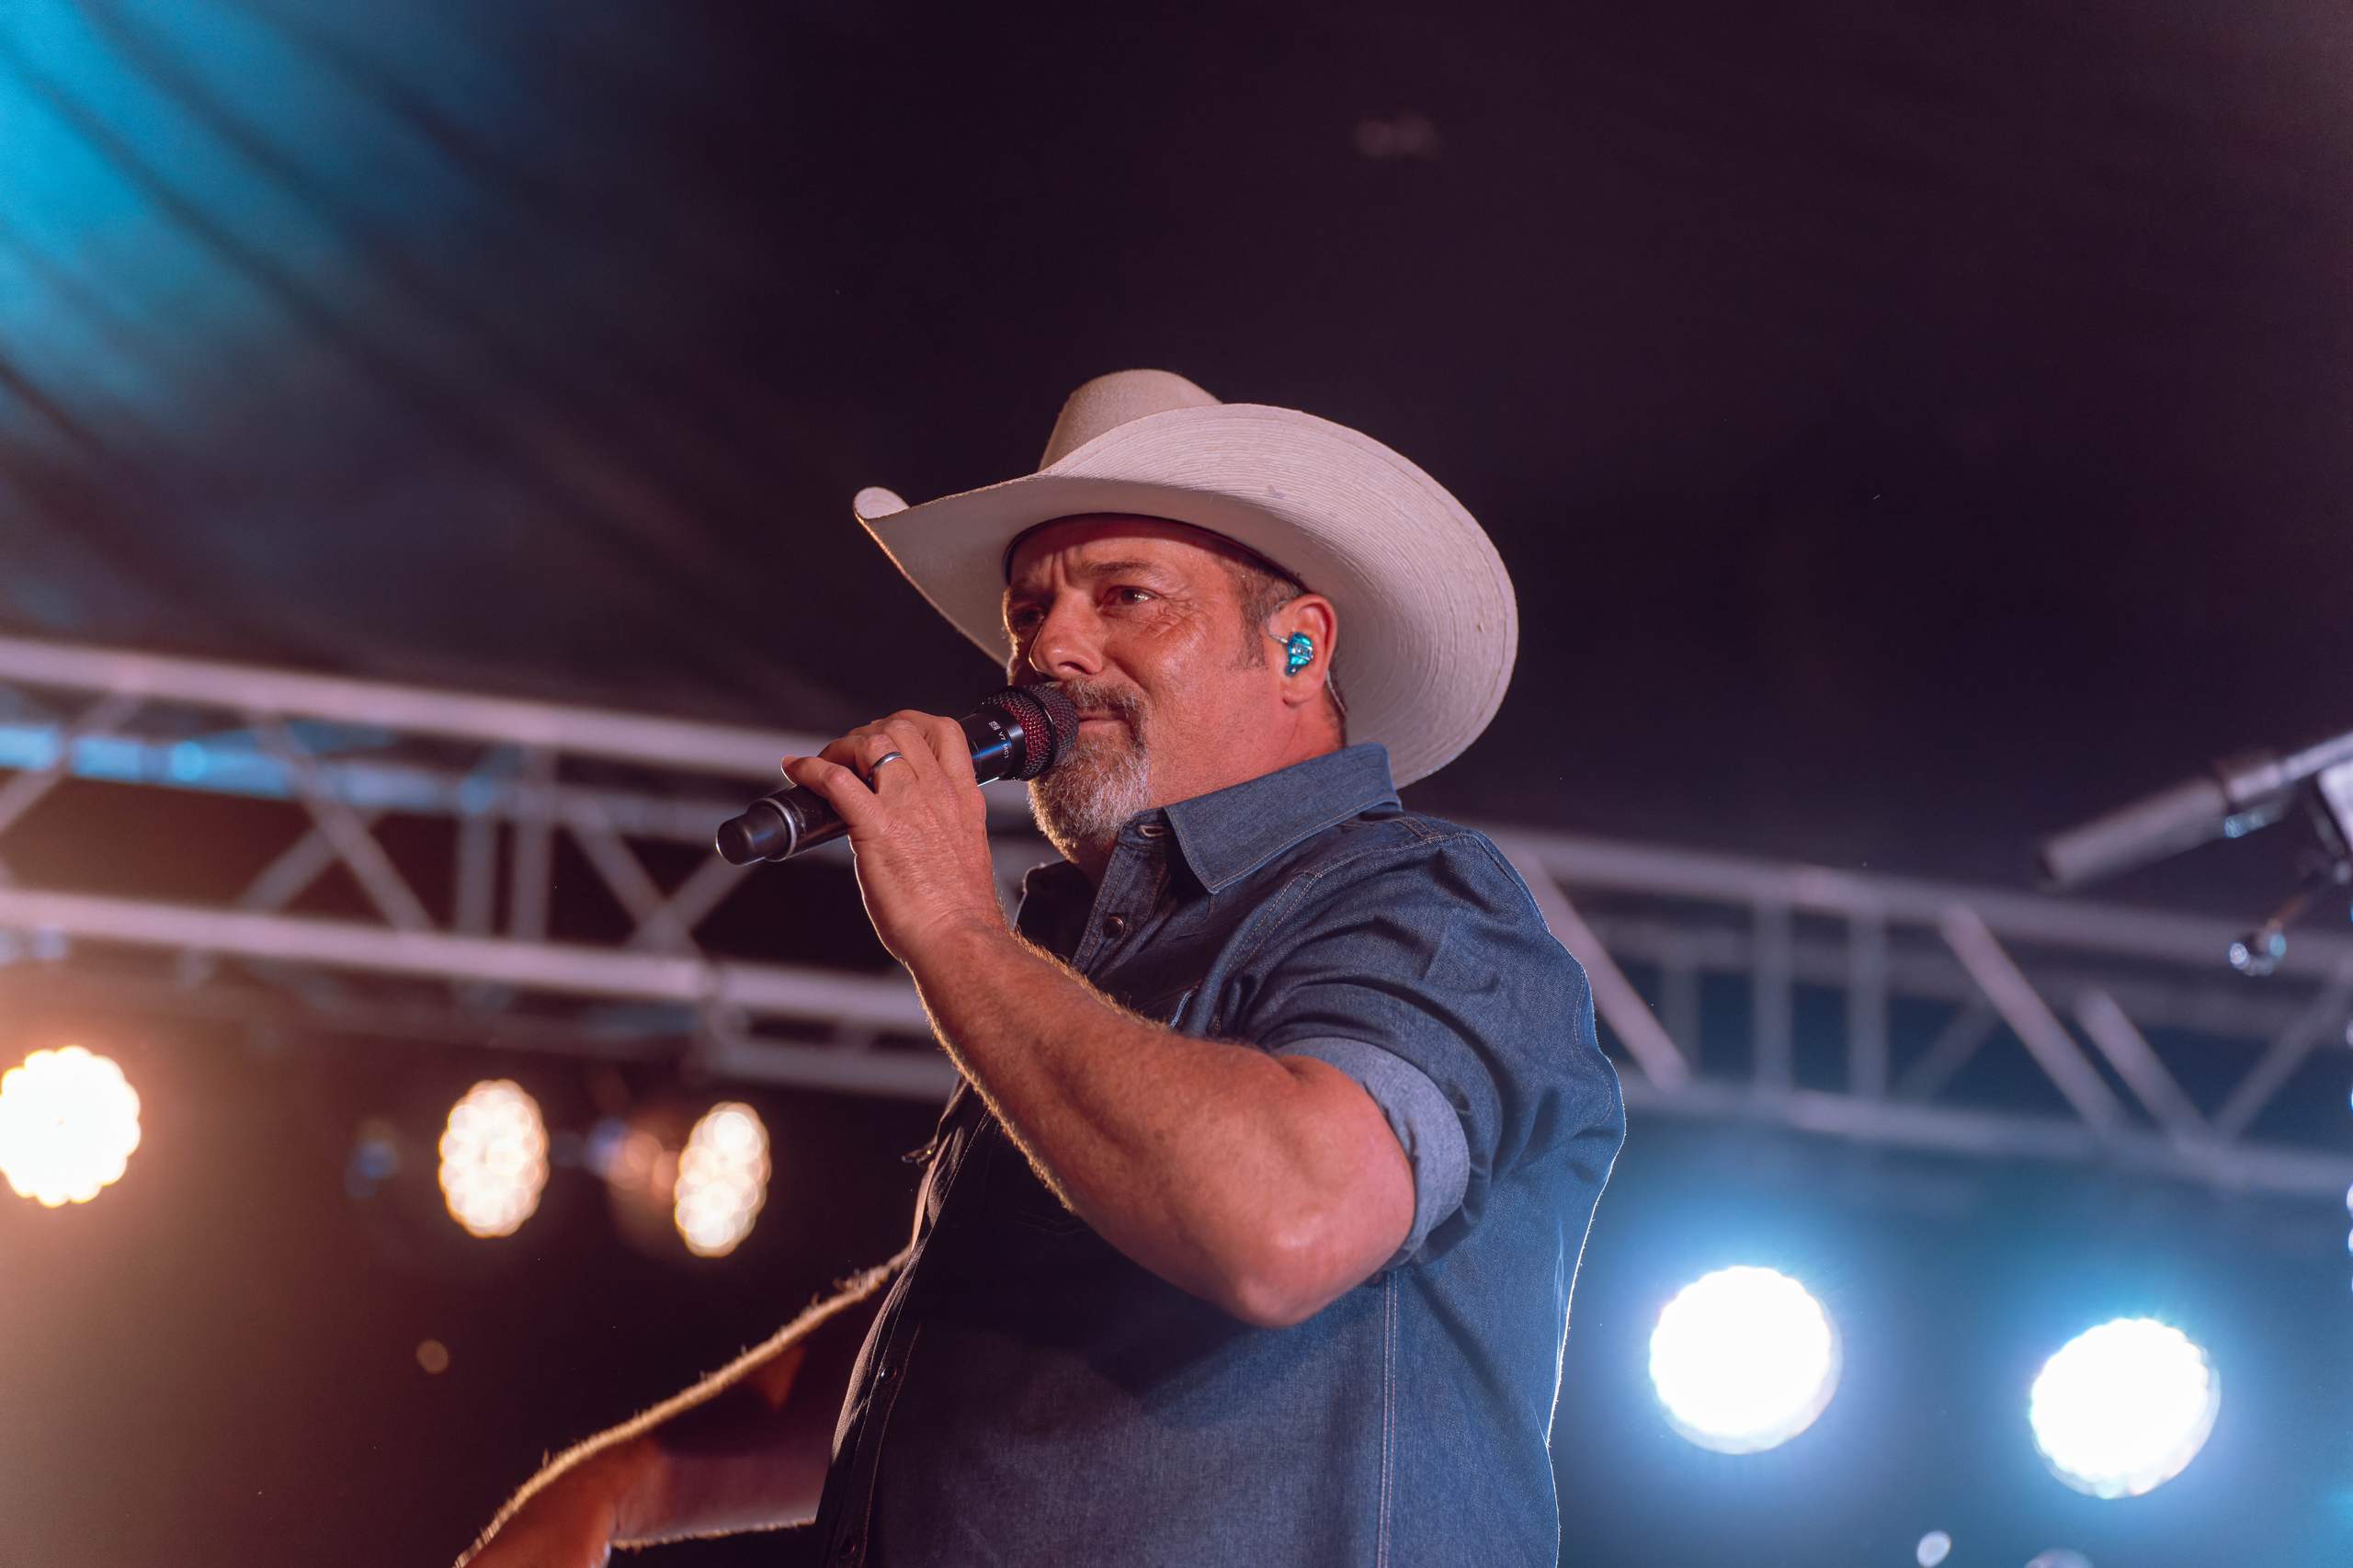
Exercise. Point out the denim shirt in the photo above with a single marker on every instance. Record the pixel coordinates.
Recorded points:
(1028, 1396)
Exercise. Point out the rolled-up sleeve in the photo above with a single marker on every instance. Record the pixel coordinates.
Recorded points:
(1426, 972)
(1426, 1127)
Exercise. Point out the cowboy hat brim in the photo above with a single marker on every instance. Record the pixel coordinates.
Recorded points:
(1428, 625)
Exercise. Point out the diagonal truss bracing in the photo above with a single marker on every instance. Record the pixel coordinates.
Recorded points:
(1713, 974)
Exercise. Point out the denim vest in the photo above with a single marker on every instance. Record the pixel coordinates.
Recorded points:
(1028, 1396)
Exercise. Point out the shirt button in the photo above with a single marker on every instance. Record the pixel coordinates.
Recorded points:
(1117, 925)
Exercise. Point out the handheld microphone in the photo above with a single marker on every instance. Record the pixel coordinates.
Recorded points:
(1019, 733)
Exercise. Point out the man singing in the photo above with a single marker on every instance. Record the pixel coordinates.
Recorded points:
(1248, 1236)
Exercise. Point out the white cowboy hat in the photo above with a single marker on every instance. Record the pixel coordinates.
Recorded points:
(1427, 623)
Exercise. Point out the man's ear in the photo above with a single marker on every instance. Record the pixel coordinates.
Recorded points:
(1312, 614)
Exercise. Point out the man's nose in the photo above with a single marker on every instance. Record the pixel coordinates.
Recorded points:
(1065, 648)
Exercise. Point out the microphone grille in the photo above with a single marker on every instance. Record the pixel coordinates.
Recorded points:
(1048, 722)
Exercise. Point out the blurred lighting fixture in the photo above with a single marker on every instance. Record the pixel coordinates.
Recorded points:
(2123, 1407)
(69, 1121)
(375, 1158)
(722, 1179)
(494, 1158)
(1934, 1548)
(1743, 1359)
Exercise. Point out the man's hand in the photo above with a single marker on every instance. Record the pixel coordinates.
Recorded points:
(920, 828)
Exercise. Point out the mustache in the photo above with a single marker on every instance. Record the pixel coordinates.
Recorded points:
(1123, 703)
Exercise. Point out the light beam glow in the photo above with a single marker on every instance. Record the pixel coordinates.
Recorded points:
(69, 1121)
(1743, 1359)
(722, 1179)
(2123, 1408)
(494, 1158)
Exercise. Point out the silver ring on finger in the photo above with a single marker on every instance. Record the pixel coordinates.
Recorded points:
(876, 765)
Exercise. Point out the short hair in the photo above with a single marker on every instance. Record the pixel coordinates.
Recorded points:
(1262, 587)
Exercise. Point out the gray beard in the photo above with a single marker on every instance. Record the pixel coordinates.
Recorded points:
(1083, 803)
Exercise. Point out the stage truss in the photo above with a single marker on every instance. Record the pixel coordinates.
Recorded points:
(1857, 1007)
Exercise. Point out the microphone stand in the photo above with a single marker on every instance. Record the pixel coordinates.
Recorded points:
(2238, 796)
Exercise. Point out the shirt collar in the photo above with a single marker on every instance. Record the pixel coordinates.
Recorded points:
(1229, 832)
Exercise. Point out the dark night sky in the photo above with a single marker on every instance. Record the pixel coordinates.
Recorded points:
(1911, 427)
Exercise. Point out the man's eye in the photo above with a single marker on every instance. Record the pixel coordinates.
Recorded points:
(1147, 592)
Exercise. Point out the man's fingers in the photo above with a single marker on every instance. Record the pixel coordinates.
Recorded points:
(841, 787)
(906, 740)
(943, 737)
(926, 740)
(848, 752)
(904, 733)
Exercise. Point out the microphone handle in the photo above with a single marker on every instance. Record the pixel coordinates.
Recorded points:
(781, 825)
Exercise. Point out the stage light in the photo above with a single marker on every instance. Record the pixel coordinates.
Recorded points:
(2122, 1408)
(69, 1121)
(1743, 1359)
(494, 1159)
(722, 1179)
(1934, 1548)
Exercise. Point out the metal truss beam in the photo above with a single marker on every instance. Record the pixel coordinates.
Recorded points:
(668, 744)
(2059, 987)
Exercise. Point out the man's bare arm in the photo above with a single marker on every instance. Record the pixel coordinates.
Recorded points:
(746, 1448)
(1266, 1185)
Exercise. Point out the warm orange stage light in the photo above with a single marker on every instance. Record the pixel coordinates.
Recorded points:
(722, 1179)
(69, 1121)
(494, 1158)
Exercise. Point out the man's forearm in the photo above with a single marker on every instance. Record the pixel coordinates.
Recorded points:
(1200, 1159)
(745, 1448)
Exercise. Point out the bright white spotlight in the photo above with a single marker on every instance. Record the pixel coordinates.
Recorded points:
(2123, 1407)
(1744, 1360)
(494, 1158)
(69, 1121)
(722, 1179)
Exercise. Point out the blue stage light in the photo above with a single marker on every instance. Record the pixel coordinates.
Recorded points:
(1743, 1359)
(2122, 1408)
